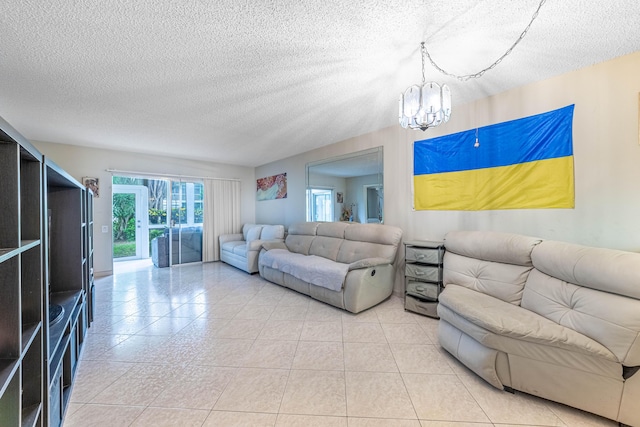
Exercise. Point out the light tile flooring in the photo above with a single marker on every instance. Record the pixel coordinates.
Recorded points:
(209, 345)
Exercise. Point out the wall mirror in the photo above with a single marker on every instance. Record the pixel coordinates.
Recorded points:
(346, 188)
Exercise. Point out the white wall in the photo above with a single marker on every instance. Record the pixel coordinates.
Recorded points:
(606, 160)
(83, 161)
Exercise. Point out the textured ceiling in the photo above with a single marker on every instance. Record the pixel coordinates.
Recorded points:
(248, 82)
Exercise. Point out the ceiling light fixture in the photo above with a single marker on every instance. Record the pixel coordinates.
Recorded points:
(426, 105)
(429, 104)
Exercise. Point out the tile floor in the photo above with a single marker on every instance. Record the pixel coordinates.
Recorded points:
(209, 345)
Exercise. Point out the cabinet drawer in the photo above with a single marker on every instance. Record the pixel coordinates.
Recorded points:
(428, 308)
(423, 289)
(431, 273)
(425, 255)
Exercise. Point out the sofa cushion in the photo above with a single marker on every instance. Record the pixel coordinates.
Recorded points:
(245, 230)
(503, 281)
(230, 246)
(313, 269)
(253, 233)
(332, 229)
(300, 236)
(369, 241)
(492, 246)
(507, 320)
(373, 233)
(612, 320)
(607, 270)
(240, 250)
(326, 247)
(272, 232)
(551, 356)
(304, 228)
(299, 244)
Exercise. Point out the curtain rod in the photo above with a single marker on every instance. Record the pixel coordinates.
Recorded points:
(168, 175)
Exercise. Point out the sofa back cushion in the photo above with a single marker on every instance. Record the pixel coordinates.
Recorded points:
(594, 291)
(344, 242)
(272, 232)
(507, 248)
(326, 247)
(253, 234)
(300, 236)
(332, 229)
(607, 270)
(493, 263)
(245, 230)
(369, 241)
(330, 236)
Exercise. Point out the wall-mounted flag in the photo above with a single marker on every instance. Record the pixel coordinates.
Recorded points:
(520, 164)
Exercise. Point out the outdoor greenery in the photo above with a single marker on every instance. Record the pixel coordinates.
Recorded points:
(124, 213)
(124, 249)
(157, 216)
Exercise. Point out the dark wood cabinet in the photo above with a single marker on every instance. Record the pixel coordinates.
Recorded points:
(21, 283)
(46, 259)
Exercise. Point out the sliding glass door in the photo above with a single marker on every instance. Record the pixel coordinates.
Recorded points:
(157, 218)
(187, 206)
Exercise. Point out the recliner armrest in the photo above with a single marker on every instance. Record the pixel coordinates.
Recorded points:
(273, 244)
(368, 262)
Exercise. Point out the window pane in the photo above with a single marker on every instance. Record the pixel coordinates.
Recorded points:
(321, 204)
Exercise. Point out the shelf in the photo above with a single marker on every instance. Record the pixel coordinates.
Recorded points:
(55, 363)
(68, 301)
(6, 253)
(25, 245)
(29, 332)
(8, 369)
(30, 415)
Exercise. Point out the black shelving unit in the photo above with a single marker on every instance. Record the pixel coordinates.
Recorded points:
(65, 284)
(21, 309)
(45, 258)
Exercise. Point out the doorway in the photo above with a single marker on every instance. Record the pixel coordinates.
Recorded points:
(373, 198)
(157, 219)
(130, 222)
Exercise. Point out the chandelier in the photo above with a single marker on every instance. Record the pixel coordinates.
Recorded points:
(426, 105)
(429, 104)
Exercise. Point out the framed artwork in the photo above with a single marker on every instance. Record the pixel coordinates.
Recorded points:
(339, 197)
(272, 187)
(92, 184)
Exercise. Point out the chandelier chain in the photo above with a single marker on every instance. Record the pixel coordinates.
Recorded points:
(464, 78)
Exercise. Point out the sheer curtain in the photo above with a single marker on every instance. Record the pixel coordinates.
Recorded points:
(221, 214)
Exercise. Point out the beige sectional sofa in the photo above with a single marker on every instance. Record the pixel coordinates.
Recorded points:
(347, 265)
(556, 320)
(241, 249)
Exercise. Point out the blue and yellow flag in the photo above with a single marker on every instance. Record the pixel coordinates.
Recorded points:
(521, 164)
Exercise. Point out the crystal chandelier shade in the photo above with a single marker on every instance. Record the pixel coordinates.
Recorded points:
(426, 105)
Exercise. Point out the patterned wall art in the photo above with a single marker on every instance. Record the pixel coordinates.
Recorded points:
(272, 187)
